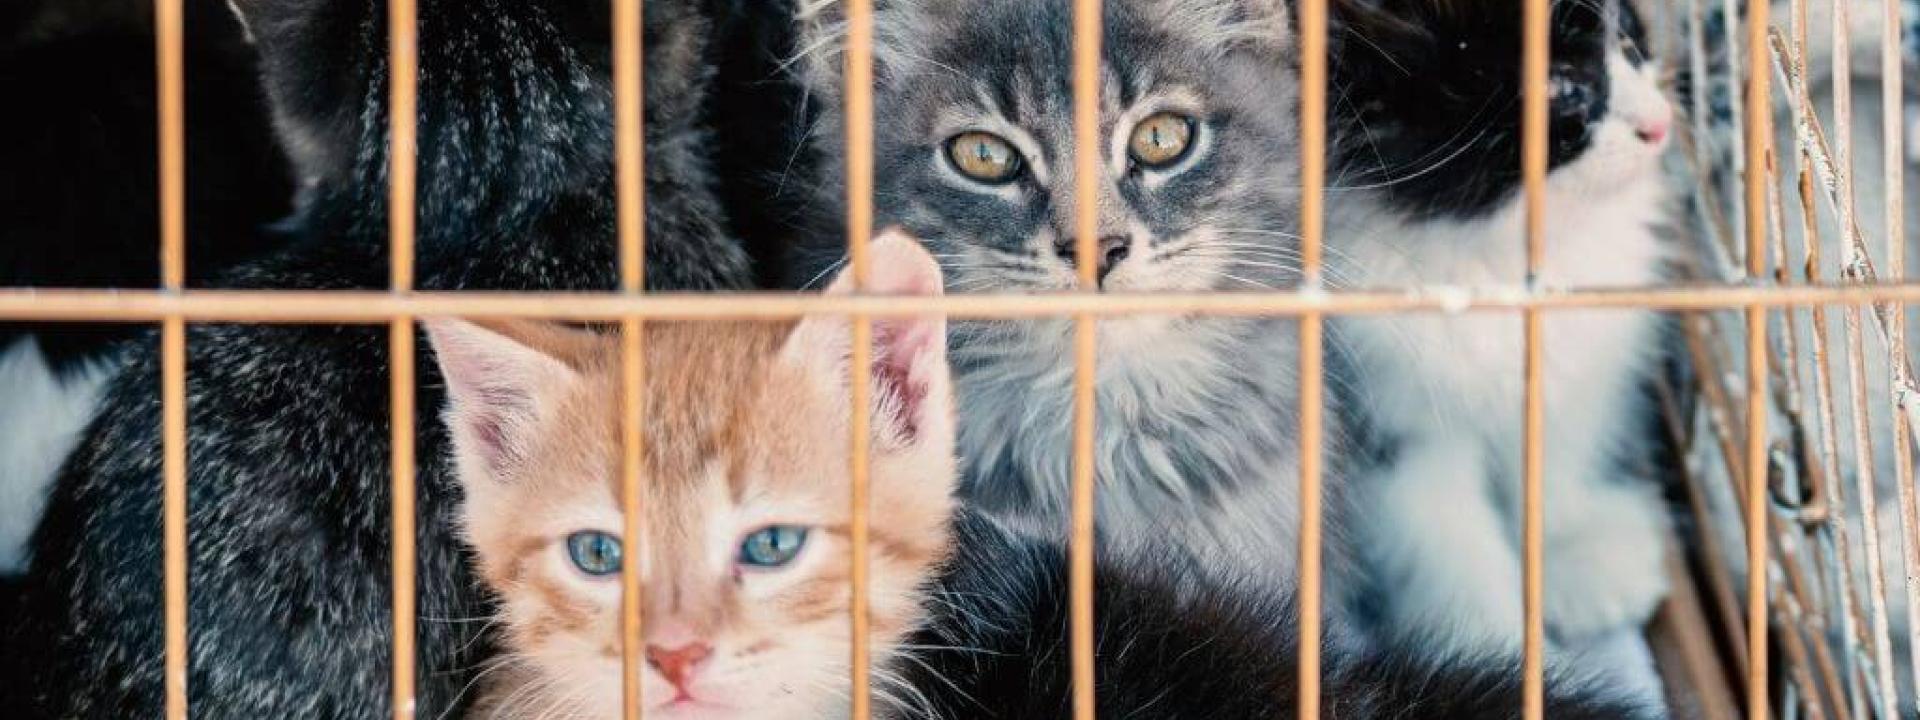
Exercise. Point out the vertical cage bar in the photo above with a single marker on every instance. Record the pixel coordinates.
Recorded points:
(1869, 516)
(173, 406)
(1893, 153)
(1841, 65)
(1757, 141)
(403, 56)
(169, 30)
(1087, 29)
(629, 84)
(1313, 180)
(1533, 170)
(859, 73)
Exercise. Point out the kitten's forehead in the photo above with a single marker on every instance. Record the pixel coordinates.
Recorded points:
(709, 388)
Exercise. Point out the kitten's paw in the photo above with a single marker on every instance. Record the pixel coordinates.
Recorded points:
(1605, 582)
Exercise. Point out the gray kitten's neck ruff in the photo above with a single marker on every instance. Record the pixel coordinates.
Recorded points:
(1182, 426)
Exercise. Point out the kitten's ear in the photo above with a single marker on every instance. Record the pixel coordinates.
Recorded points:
(912, 386)
(315, 60)
(820, 40)
(500, 383)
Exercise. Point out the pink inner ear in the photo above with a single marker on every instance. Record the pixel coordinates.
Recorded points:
(495, 409)
(900, 345)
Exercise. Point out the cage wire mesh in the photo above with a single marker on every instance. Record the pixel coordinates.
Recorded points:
(1839, 405)
(1840, 503)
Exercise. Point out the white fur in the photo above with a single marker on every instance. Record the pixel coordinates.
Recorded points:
(1448, 391)
(41, 418)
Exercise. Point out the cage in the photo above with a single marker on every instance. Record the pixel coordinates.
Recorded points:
(1794, 215)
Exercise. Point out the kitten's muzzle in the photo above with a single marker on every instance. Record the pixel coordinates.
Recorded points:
(1111, 250)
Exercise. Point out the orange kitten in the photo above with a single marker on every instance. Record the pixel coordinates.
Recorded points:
(745, 555)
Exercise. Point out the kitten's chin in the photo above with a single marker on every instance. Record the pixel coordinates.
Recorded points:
(698, 710)
(1137, 333)
(726, 706)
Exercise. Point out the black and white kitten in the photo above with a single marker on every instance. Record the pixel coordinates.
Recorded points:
(78, 183)
(1195, 445)
(1428, 193)
(288, 529)
(996, 647)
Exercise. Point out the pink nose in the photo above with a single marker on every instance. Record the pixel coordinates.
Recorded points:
(678, 665)
(1652, 132)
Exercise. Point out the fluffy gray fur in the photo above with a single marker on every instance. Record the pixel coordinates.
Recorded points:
(1195, 445)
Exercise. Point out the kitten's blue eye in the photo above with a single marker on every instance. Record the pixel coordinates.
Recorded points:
(595, 553)
(772, 546)
(985, 157)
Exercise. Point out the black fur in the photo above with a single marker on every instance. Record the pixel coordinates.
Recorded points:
(759, 110)
(1428, 95)
(79, 182)
(289, 581)
(998, 648)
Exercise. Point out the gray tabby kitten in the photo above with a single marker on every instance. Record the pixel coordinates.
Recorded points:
(1195, 441)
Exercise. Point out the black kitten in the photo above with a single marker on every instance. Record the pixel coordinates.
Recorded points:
(289, 455)
(997, 648)
(78, 187)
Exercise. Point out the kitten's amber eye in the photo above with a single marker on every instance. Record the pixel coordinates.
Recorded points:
(595, 553)
(773, 546)
(1161, 140)
(985, 157)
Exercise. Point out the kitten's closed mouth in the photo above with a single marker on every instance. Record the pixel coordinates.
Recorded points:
(684, 705)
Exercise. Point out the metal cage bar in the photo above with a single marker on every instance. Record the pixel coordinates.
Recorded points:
(360, 307)
(630, 148)
(1533, 169)
(859, 89)
(1894, 229)
(403, 58)
(1087, 29)
(169, 39)
(1313, 180)
(1758, 141)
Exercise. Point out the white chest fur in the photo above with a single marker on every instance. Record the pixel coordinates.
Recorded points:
(41, 416)
(1445, 391)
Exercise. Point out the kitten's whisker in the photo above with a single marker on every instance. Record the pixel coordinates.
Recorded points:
(830, 269)
(490, 667)
(1255, 231)
(478, 618)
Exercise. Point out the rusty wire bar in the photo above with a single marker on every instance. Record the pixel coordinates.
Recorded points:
(404, 67)
(1087, 29)
(859, 74)
(1313, 180)
(630, 150)
(1839, 532)
(169, 40)
(1758, 152)
(294, 307)
(1841, 65)
(1893, 191)
(1533, 170)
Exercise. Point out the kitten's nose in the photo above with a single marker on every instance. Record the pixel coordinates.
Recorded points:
(679, 664)
(1653, 131)
(1112, 249)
